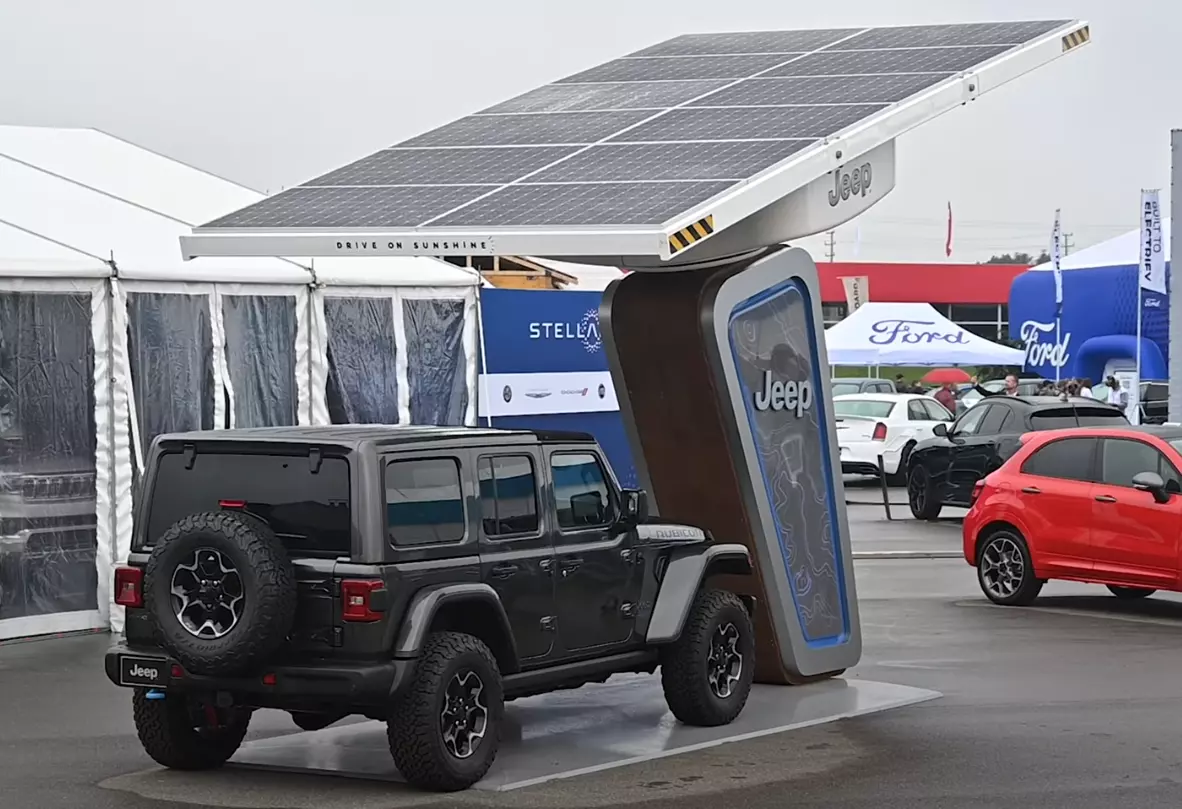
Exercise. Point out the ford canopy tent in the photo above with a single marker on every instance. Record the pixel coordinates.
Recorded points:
(1097, 333)
(879, 333)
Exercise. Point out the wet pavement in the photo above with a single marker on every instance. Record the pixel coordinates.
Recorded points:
(1071, 704)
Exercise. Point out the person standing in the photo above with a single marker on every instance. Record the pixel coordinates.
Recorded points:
(1085, 388)
(946, 396)
(1010, 389)
(1117, 395)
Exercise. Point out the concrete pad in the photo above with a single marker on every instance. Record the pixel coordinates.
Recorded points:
(587, 730)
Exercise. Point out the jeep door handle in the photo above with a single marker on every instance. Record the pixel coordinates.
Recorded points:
(504, 571)
(1105, 498)
(568, 566)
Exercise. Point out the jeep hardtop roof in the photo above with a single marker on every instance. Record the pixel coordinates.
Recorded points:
(355, 436)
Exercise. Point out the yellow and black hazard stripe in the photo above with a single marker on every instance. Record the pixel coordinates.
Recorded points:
(689, 235)
(1077, 38)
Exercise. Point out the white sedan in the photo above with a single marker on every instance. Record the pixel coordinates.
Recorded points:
(886, 424)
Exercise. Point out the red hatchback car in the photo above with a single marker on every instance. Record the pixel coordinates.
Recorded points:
(1100, 505)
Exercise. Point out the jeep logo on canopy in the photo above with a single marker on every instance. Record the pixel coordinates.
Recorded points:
(853, 183)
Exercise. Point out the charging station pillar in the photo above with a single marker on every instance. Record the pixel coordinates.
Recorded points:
(723, 384)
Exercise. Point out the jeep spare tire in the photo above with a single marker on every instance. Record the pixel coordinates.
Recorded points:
(222, 592)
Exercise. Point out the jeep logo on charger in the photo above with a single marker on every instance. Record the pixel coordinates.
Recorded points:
(139, 671)
(853, 183)
(784, 395)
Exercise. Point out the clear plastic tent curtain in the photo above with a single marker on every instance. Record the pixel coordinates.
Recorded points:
(362, 354)
(436, 361)
(170, 354)
(260, 340)
(49, 530)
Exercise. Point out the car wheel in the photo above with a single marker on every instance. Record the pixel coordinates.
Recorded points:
(181, 733)
(707, 672)
(1130, 593)
(1005, 570)
(444, 729)
(899, 478)
(921, 494)
(221, 592)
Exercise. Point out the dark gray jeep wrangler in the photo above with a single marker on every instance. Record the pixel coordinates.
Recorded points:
(419, 576)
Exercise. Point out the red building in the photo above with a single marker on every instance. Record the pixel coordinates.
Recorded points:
(974, 295)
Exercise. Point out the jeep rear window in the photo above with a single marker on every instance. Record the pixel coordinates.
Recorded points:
(1060, 417)
(310, 513)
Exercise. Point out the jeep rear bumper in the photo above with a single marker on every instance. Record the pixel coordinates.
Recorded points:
(322, 686)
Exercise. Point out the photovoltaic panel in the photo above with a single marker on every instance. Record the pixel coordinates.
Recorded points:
(659, 162)
(877, 63)
(748, 123)
(664, 68)
(959, 35)
(443, 166)
(378, 206)
(607, 203)
(651, 141)
(748, 42)
(656, 95)
(526, 130)
(820, 90)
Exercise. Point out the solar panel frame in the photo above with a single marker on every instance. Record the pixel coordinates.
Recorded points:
(726, 207)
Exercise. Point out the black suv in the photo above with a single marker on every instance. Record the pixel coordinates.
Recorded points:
(420, 576)
(942, 470)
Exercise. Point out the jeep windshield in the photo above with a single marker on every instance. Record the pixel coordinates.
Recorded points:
(309, 511)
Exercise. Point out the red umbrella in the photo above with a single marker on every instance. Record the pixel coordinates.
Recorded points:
(941, 376)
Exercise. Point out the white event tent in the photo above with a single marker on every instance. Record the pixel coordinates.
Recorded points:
(880, 333)
(108, 339)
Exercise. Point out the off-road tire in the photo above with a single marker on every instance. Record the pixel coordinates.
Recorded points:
(268, 582)
(1130, 593)
(684, 662)
(929, 507)
(167, 734)
(414, 728)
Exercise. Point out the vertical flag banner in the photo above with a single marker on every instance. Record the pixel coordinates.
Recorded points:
(1057, 269)
(1151, 277)
(857, 291)
(948, 237)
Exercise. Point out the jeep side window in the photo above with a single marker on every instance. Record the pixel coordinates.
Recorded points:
(424, 501)
(581, 493)
(508, 495)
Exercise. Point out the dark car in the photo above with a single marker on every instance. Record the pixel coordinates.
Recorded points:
(942, 471)
(1155, 402)
(418, 576)
(852, 384)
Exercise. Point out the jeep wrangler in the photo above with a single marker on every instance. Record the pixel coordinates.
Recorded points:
(419, 576)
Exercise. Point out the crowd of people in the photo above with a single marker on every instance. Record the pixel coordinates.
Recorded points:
(1110, 391)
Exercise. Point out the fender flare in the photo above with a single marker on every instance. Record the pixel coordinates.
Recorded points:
(426, 603)
(687, 569)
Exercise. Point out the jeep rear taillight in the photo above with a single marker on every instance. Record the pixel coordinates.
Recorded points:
(363, 600)
(129, 587)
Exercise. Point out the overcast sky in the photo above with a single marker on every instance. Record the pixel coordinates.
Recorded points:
(273, 92)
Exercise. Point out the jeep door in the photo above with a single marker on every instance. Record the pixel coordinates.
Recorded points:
(598, 581)
(516, 551)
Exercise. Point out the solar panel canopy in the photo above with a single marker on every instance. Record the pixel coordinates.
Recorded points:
(647, 156)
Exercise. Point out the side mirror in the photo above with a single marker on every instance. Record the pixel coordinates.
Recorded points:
(1151, 482)
(941, 430)
(633, 507)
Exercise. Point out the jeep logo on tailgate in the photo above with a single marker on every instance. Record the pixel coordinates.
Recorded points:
(143, 672)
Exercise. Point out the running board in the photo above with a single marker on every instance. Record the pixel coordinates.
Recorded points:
(578, 673)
